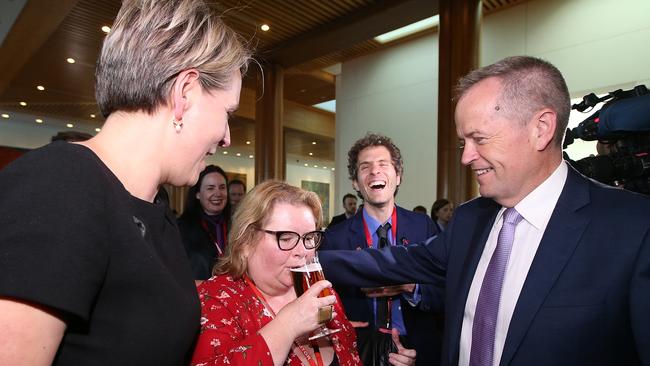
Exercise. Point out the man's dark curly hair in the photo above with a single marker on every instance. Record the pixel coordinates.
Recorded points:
(371, 140)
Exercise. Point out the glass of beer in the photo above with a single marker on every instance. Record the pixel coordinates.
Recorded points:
(303, 278)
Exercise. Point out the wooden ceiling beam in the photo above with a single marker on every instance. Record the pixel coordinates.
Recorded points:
(38, 20)
(354, 28)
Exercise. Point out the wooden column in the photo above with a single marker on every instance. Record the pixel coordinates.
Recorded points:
(460, 22)
(269, 134)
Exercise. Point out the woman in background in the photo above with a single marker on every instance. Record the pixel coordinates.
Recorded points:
(441, 213)
(91, 270)
(205, 221)
(250, 313)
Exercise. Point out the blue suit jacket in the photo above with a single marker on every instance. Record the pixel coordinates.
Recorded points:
(585, 300)
(420, 321)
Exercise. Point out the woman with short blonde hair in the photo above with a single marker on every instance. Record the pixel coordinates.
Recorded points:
(92, 270)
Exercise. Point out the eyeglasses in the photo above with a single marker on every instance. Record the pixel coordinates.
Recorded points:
(287, 240)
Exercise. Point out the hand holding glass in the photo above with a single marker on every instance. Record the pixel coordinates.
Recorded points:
(303, 278)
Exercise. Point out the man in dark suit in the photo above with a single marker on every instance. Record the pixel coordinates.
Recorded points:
(566, 279)
(350, 207)
(375, 167)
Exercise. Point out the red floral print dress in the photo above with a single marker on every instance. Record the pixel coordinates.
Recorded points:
(231, 316)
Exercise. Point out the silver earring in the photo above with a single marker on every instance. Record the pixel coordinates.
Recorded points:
(178, 125)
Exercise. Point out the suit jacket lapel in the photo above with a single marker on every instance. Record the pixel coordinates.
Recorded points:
(559, 241)
(357, 237)
(473, 246)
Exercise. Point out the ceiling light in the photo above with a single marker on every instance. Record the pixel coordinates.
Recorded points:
(306, 164)
(225, 153)
(38, 120)
(409, 29)
(24, 104)
(70, 60)
(324, 167)
(313, 142)
(238, 154)
(311, 154)
(98, 129)
(265, 27)
(106, 29)
(69, 125)
(40, 87)
(92, 115)
(5, 115)
(248, 142)
(315, 166)
(250, 156)
(333, 169)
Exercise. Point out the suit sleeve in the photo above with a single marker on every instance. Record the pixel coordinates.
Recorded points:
(431, 296)
(640, 301)
(423, 263)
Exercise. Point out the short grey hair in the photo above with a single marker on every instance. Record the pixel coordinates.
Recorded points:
(152, 41)
(528, 85)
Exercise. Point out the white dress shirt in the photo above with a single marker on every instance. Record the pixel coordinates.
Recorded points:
(536, 209)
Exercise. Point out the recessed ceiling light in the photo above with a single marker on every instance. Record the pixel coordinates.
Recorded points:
(40, 87)
(5, 115)
(92, 115)
(98, 129)
(306, 164)
(106, 29)
(238, 154)
(311, 154)
(315, 166)
(69, 125)
(38, 120)
(24, 104)
(250, 156)
(248, 142)
(225, 153)
(324, 167)
(313, 142)
(70, 60)
(333, 169)
(265, 27)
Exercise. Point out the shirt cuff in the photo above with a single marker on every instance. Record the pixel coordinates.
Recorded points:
(414, 297)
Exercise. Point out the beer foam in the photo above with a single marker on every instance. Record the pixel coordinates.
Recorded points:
(311, 267)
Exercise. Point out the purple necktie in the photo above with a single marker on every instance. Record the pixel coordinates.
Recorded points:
(487, 306)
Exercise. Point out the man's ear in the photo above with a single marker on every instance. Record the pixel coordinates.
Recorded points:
(355, 185)
(545, 125)
(185, 81)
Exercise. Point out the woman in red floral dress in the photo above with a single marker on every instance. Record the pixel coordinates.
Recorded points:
(250, 312)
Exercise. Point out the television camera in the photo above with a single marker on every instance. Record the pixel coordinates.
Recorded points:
(622, 128)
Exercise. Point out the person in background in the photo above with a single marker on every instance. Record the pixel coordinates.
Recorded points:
(236, 192)
(350, 207)
(441, 213)
(420, 209)
(250, 312)
(205, 221)
(547, 267)
(91, 270)
(375, 168)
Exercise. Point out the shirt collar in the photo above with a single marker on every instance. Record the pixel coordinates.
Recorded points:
(374, 224)
(538, 205)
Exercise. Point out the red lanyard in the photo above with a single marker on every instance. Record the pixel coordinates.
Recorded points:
(256, 291)
(393, 228)
(213, 236)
